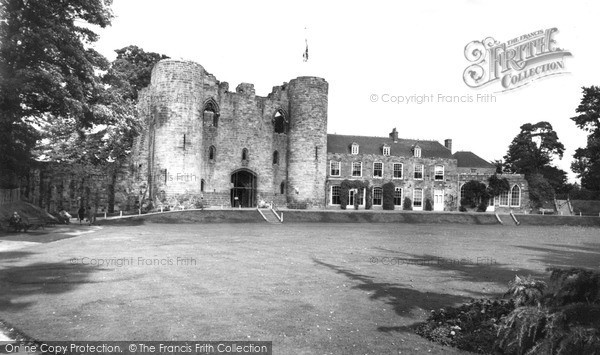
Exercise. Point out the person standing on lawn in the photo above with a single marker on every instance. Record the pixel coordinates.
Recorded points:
(81, 214)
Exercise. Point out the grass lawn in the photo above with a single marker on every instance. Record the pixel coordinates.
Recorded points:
(309, 288)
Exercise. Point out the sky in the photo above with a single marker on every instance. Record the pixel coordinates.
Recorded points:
(373, 53)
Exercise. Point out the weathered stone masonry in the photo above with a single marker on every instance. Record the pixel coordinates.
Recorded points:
(203, 140)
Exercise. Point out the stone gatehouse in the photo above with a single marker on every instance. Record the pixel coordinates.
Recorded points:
(231, 148)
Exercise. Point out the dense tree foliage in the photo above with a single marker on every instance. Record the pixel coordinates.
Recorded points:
(116, 119)
(531, 153)
(47, 71)
(533, 149)
(474, 194)
(587, 160)
(131, 71)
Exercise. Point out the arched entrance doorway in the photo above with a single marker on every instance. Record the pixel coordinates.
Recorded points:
(243, 188)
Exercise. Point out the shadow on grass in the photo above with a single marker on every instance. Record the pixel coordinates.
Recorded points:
(586, 255)
(19, 285)
(13, 255)
(405, 298)
(401, 298)
(472, 270)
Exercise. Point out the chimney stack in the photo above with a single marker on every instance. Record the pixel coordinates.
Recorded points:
(394, 135)
(448, 144)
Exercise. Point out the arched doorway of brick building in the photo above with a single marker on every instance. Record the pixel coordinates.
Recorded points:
(243, 188)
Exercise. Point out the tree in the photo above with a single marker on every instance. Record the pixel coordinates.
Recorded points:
(531, 153)
(47, 71)
(131, 71)
(557, 178)
(540, 190)
(499, 164)
(587, 160)
(533, 149)
(110, 138)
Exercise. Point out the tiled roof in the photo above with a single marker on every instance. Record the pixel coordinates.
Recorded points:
(471, 160)
(337, 143)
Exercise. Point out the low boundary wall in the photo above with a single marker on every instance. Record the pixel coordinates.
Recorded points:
(312, 216)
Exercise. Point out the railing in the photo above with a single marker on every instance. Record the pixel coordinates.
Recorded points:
(263, 216)
(280, 218)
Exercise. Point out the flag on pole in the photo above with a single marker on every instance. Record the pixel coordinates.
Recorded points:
(305, 55)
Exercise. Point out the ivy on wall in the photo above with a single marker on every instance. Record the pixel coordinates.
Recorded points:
(428, 204)
(496, 185)
(388, 195)
(407, 206)
(347, 185)
(476, 195)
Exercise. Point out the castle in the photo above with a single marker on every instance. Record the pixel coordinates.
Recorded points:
(236, 148)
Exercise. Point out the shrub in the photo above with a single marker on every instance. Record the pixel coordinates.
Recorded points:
(428, 205)
(526, 291)
(482, 207)
(462, 208)
(574, 286)
(471, 326)
(474, 193)
(388, 195)
(407, 206)
(565, 320)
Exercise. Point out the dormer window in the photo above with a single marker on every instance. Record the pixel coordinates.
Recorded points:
(354, 148)
(386, 150)
(417, 151)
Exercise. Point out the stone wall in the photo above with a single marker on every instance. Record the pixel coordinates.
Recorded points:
(187, 112)
(53, 186)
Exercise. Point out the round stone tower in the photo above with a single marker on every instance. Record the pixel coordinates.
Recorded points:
(307, 140)
(174, 101)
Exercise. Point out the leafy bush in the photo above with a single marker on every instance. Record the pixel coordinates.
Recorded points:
(564, 320)
(368, 196)
(471, 327)
(407, 206)
(526, 291)
(540, 190)
(497, 185)
(428, 205)
(388, 195)
(482, 207)
(574, 285)
(474, 193)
